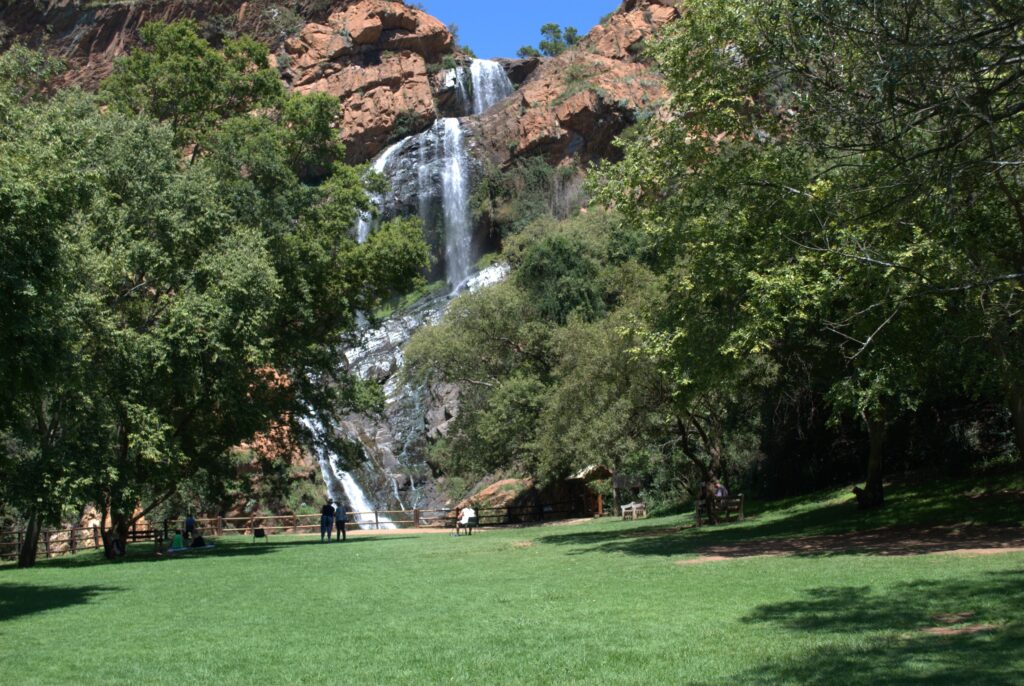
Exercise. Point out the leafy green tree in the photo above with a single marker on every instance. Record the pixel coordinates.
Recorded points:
(822, 184)
(178, 77)
(165, 312)
(555, 41)
(560, 278)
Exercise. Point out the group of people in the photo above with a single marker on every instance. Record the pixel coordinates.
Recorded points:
(191, 537)
(333, 515)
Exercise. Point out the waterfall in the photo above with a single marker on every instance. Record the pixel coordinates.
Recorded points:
(365, 223)
(455, 195)
(490, 84)
(341, 485)
(357, 499)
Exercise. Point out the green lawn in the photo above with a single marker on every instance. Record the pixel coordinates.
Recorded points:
(602, 602)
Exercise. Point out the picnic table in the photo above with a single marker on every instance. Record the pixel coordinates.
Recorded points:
(720, 507)
(634, 511)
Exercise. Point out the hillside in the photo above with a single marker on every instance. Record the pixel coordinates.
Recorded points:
(385, 61)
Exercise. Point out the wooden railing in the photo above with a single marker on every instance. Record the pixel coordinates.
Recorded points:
(56, 542)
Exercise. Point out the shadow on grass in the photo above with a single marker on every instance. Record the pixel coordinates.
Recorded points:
(946, 632)
(18, 600)
(222, 549)
(907, 511)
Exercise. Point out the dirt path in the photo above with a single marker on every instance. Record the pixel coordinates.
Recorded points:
(964, 540)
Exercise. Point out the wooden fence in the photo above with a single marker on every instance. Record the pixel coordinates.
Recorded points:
(68, 541)
(56, 542)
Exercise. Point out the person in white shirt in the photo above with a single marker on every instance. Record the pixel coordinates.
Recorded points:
(466, 521)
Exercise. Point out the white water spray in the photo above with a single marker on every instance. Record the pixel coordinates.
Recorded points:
(342, 486)
(365, 223)
(491, 84)
(455, 196)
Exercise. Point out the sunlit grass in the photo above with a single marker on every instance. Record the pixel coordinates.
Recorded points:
(603, 602)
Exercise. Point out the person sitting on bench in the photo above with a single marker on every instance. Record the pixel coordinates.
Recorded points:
(466, 521)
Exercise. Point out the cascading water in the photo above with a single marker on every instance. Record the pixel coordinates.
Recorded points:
(341, 485)
(455, 194)
(429, 175)
(365, 223)
(490, 84)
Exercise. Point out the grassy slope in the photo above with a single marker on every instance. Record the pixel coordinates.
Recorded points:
(584, 604)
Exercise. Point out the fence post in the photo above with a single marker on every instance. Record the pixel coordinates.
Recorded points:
(72, 540)
(46, 543)
(376, 519)
(19, 543)
(95, 536)
(416, 516)
(220, 525)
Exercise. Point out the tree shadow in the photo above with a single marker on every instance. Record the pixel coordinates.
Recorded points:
(18, 600)
(144, 553)
(835, 528)
(925, 632)
(687, 538)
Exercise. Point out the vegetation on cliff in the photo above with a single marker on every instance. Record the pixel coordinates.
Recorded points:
(162, 304)
(815, 264)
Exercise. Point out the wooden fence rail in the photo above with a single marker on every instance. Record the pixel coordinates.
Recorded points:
(68, 541)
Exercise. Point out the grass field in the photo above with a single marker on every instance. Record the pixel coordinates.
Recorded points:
(600, 602)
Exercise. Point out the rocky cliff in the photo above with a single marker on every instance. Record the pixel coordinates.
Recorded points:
(384, 60)
(575, 104)
(396, 71)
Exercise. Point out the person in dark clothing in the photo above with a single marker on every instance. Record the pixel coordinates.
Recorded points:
(341, 511)
(190, 526)
(326, 520)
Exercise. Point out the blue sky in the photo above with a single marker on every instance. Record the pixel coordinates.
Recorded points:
(498, 28)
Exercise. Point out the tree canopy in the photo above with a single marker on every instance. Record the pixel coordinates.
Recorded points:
(555, 41)
(825, 246)
(166, 307)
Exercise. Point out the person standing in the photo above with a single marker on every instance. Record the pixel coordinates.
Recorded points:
(190, 526)
(326, 520)
(341, 511)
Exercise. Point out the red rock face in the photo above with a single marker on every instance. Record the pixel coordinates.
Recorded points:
(374, 55)
(575, 104)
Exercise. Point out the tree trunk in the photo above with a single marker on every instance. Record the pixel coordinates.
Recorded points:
(30, 546)
(872, 495)
(116, 537)
(1017, 412)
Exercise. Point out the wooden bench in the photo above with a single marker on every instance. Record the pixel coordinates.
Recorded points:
(721, 507)
(470, 524)
(634, 511)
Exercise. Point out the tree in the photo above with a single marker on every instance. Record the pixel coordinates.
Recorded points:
(555, 42)
(177, 77)
(171, 312)
(834, 178)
